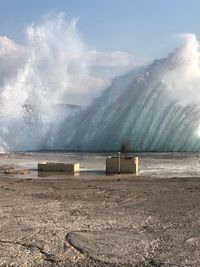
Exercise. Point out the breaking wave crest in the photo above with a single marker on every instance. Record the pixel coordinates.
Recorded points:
(152, 108)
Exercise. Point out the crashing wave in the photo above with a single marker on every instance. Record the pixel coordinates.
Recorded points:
(155, 109)
(152, 108)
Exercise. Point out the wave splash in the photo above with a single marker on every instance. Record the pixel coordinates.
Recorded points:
(46, 79)
(153, 109)
(51, 69)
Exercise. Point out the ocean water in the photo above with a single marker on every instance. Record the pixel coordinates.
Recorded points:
(155, 165)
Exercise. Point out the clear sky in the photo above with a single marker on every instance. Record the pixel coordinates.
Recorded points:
(144, 28)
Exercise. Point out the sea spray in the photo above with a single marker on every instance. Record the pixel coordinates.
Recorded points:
(152, 108)
(156, 109)
(42, 79)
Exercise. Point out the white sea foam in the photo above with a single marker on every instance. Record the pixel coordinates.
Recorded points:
(53, 67)
(153, 108)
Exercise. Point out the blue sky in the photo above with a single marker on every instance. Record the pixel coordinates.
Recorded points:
(145, 28)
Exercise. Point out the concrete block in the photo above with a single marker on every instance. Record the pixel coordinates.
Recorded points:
(59, 167)
(122, 165)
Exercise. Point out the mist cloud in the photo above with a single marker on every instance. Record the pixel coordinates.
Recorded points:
(12, 57)
(55, 58)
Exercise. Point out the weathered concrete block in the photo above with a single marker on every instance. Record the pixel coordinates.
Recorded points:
(122, 165)
(59, 167)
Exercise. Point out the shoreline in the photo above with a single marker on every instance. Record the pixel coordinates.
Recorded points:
(98, 220)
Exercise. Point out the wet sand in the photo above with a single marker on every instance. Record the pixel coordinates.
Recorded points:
(96, 220)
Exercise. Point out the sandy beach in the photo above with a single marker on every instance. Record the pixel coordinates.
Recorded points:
(98, 220)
